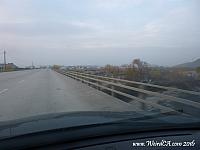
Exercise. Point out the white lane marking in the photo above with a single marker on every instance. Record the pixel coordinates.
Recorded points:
(4, 90)
(21, 81)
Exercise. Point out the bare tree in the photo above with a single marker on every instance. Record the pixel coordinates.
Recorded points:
(142, 68)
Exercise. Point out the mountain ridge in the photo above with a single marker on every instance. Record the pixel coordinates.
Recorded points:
(193, 64)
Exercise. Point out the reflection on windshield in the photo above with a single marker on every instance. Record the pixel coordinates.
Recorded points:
(126, 57)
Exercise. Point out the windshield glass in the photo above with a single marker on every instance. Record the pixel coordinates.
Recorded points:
(133, 58)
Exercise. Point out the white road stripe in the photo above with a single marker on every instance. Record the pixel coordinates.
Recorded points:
(4, 90)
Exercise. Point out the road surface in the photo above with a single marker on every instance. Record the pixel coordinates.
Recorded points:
(35, 92)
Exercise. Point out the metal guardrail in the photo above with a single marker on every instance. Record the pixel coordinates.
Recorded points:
(145, 84)
(162, 108)
(100, 82)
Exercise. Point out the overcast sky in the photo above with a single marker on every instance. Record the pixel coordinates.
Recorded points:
(99, 32)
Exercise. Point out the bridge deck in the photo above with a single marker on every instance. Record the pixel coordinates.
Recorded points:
(33, 92)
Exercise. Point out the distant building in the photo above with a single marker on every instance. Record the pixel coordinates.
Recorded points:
(84, 68)
(191, 74)
(9, 67)
(30, 67)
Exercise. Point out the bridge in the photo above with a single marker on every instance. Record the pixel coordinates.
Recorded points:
(41, 91)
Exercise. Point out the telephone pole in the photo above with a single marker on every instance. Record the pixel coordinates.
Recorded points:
(4, 54)
(32, 65)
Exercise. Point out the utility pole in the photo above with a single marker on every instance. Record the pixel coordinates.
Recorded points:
(32, 65)
(4, 54)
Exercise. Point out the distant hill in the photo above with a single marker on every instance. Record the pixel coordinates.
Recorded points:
(193, 64)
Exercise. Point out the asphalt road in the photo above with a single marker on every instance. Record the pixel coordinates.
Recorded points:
(35, 92)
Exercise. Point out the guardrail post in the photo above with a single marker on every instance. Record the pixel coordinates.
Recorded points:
(99, 83)
(113, 93)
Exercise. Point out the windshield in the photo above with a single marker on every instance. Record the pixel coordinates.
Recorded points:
(133, 58)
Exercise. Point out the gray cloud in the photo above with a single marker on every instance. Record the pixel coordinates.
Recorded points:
(100, 32)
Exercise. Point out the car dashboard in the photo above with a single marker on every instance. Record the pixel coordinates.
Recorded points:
(162, 140)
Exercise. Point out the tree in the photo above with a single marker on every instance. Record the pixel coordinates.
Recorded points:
(142, 68)
(56, 67)
(198, 70)
(130, 73)
(155, 73)
(114, 70)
